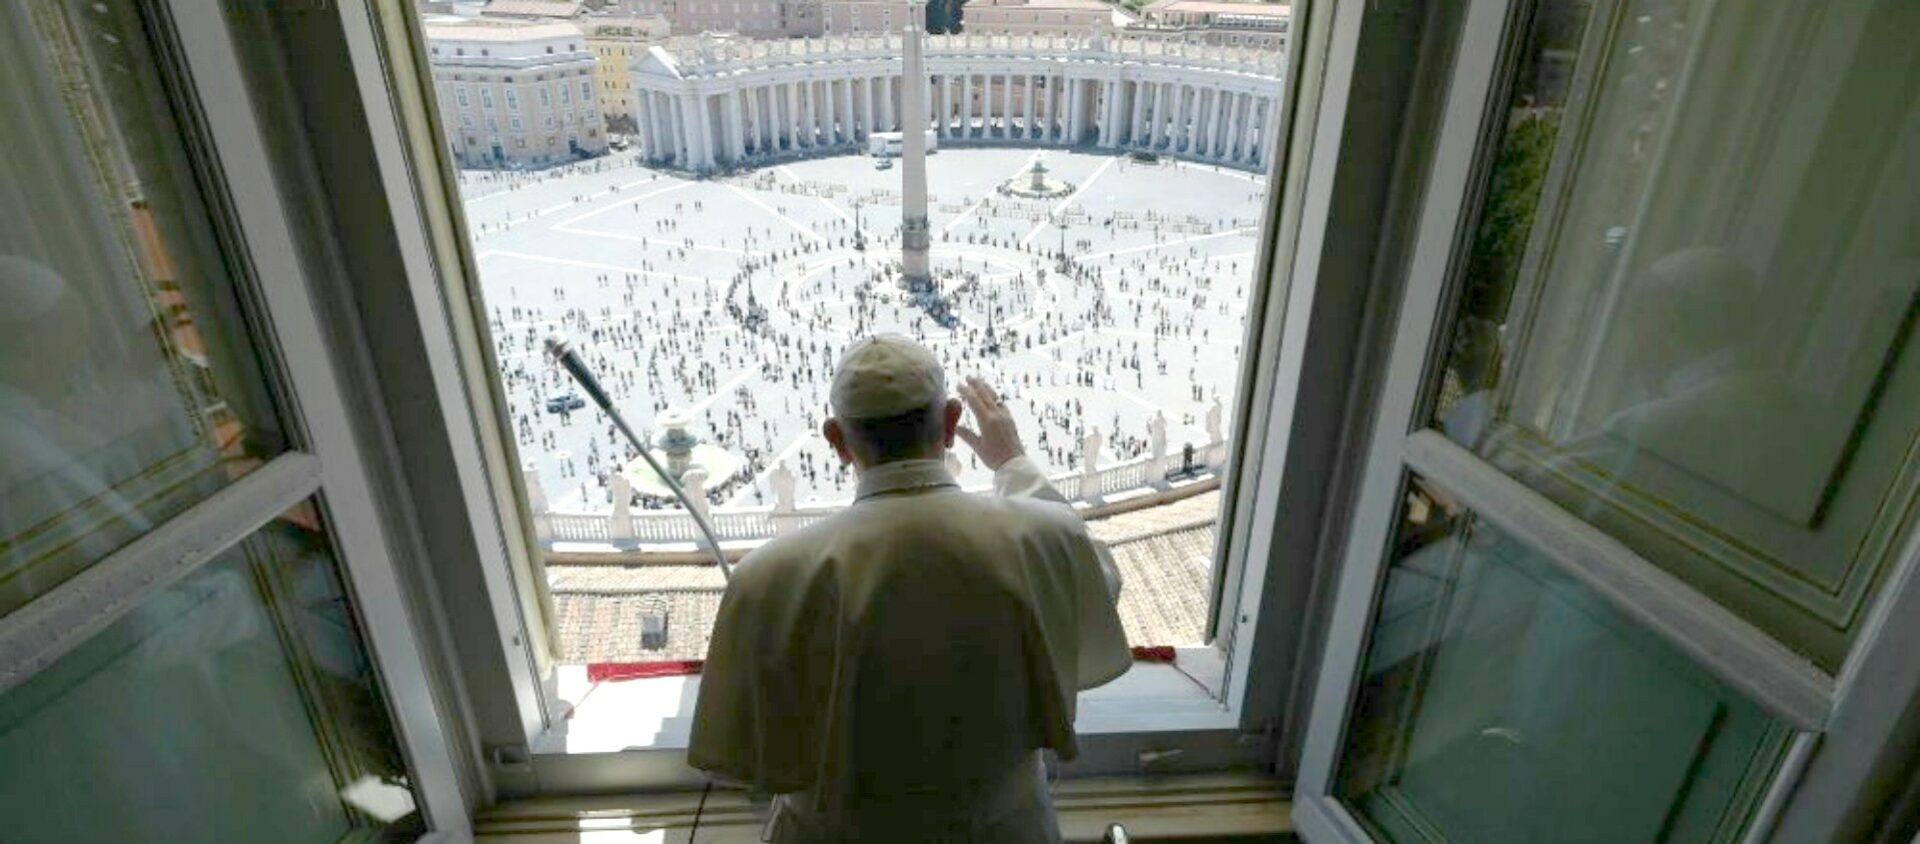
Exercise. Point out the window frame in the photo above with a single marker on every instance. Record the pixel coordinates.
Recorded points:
(1841, 724)
(389, 57)
(324, 462)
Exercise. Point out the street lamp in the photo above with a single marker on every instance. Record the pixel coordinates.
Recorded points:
(859, 234)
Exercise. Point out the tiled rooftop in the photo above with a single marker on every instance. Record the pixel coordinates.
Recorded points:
(1164, 553)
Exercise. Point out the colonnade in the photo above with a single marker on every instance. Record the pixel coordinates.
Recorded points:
(723, 117)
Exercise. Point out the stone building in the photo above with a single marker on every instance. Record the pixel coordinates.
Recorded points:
(615, 42)
(1218, 22)
(982, 17)
(515, 94)
(751, 18)
(1041, 17)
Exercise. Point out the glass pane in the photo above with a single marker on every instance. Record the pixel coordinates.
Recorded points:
(237, 705)
(1505, 702)
(1689, 299)
(128, 386)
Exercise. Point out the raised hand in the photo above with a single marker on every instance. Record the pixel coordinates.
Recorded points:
(993, 436)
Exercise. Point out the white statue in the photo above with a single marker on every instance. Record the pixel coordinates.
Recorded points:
(783, 484)
(1213, 421)
(1090, 450)
(1157, 435)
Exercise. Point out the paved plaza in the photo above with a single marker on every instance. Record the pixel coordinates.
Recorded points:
(731, 298)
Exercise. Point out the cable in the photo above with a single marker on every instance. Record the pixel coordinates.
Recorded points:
(699, 810)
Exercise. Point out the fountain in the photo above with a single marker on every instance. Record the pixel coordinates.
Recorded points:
(1035, 184)
(679, 450)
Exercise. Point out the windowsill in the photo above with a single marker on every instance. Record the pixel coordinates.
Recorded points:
(1163, 808)
(657, 713)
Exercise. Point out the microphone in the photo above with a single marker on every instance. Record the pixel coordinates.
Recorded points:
(564, 354)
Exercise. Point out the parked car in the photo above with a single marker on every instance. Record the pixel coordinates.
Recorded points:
(565, 402)
(1144, 157)
(883, 164)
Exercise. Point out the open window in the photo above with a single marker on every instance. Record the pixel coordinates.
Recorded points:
(1101, 236)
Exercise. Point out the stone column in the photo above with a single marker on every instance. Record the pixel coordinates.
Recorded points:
(821, 113)
(1189, 116)
(1028, 126)
(1177, 134)
(1235, 109)
(1204, 133)
(966, 105)
(1257, 131)
(829, 116)
(889, 86)
(1048, 131)
(1156, 113)
(1217, 130)
(868, 95)
(770, 126)
(943, 107)
(1110, 114)
(703, 118)
(809, 124)
(1076, 112)
(1139, 116)
(792, 121)
(683, 152)
(1224, 150)
(847, 125)
(1006, 106)
(643, 112)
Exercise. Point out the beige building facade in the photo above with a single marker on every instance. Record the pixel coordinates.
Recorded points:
(1219, 22)
(615, 41)
(982, 17)
(751, 18)
(1041, 17)
(515, 94)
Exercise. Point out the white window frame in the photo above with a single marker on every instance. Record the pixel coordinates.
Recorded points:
(1202, 733)
(1840, 724)
(324, 463)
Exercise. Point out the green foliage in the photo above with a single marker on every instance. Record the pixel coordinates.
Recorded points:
(944, 16)
(1512, 197)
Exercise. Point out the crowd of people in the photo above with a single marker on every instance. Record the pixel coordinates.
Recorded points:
(660, 337)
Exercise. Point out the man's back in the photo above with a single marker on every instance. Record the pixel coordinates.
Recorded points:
(898, 664)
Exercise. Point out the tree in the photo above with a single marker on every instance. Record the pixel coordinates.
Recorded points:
(944, 16)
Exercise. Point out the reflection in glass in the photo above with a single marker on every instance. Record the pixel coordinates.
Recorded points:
(237, 705)
(128, 389)
(1687, 308)
(1503, 701)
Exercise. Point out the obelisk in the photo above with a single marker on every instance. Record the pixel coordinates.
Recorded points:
(915, 272)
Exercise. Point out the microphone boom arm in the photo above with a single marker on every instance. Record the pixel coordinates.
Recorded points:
(571, 362)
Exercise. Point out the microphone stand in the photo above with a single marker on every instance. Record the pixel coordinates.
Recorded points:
(559, 350)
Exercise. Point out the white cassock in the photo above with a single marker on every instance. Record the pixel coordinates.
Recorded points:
(896, 670)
